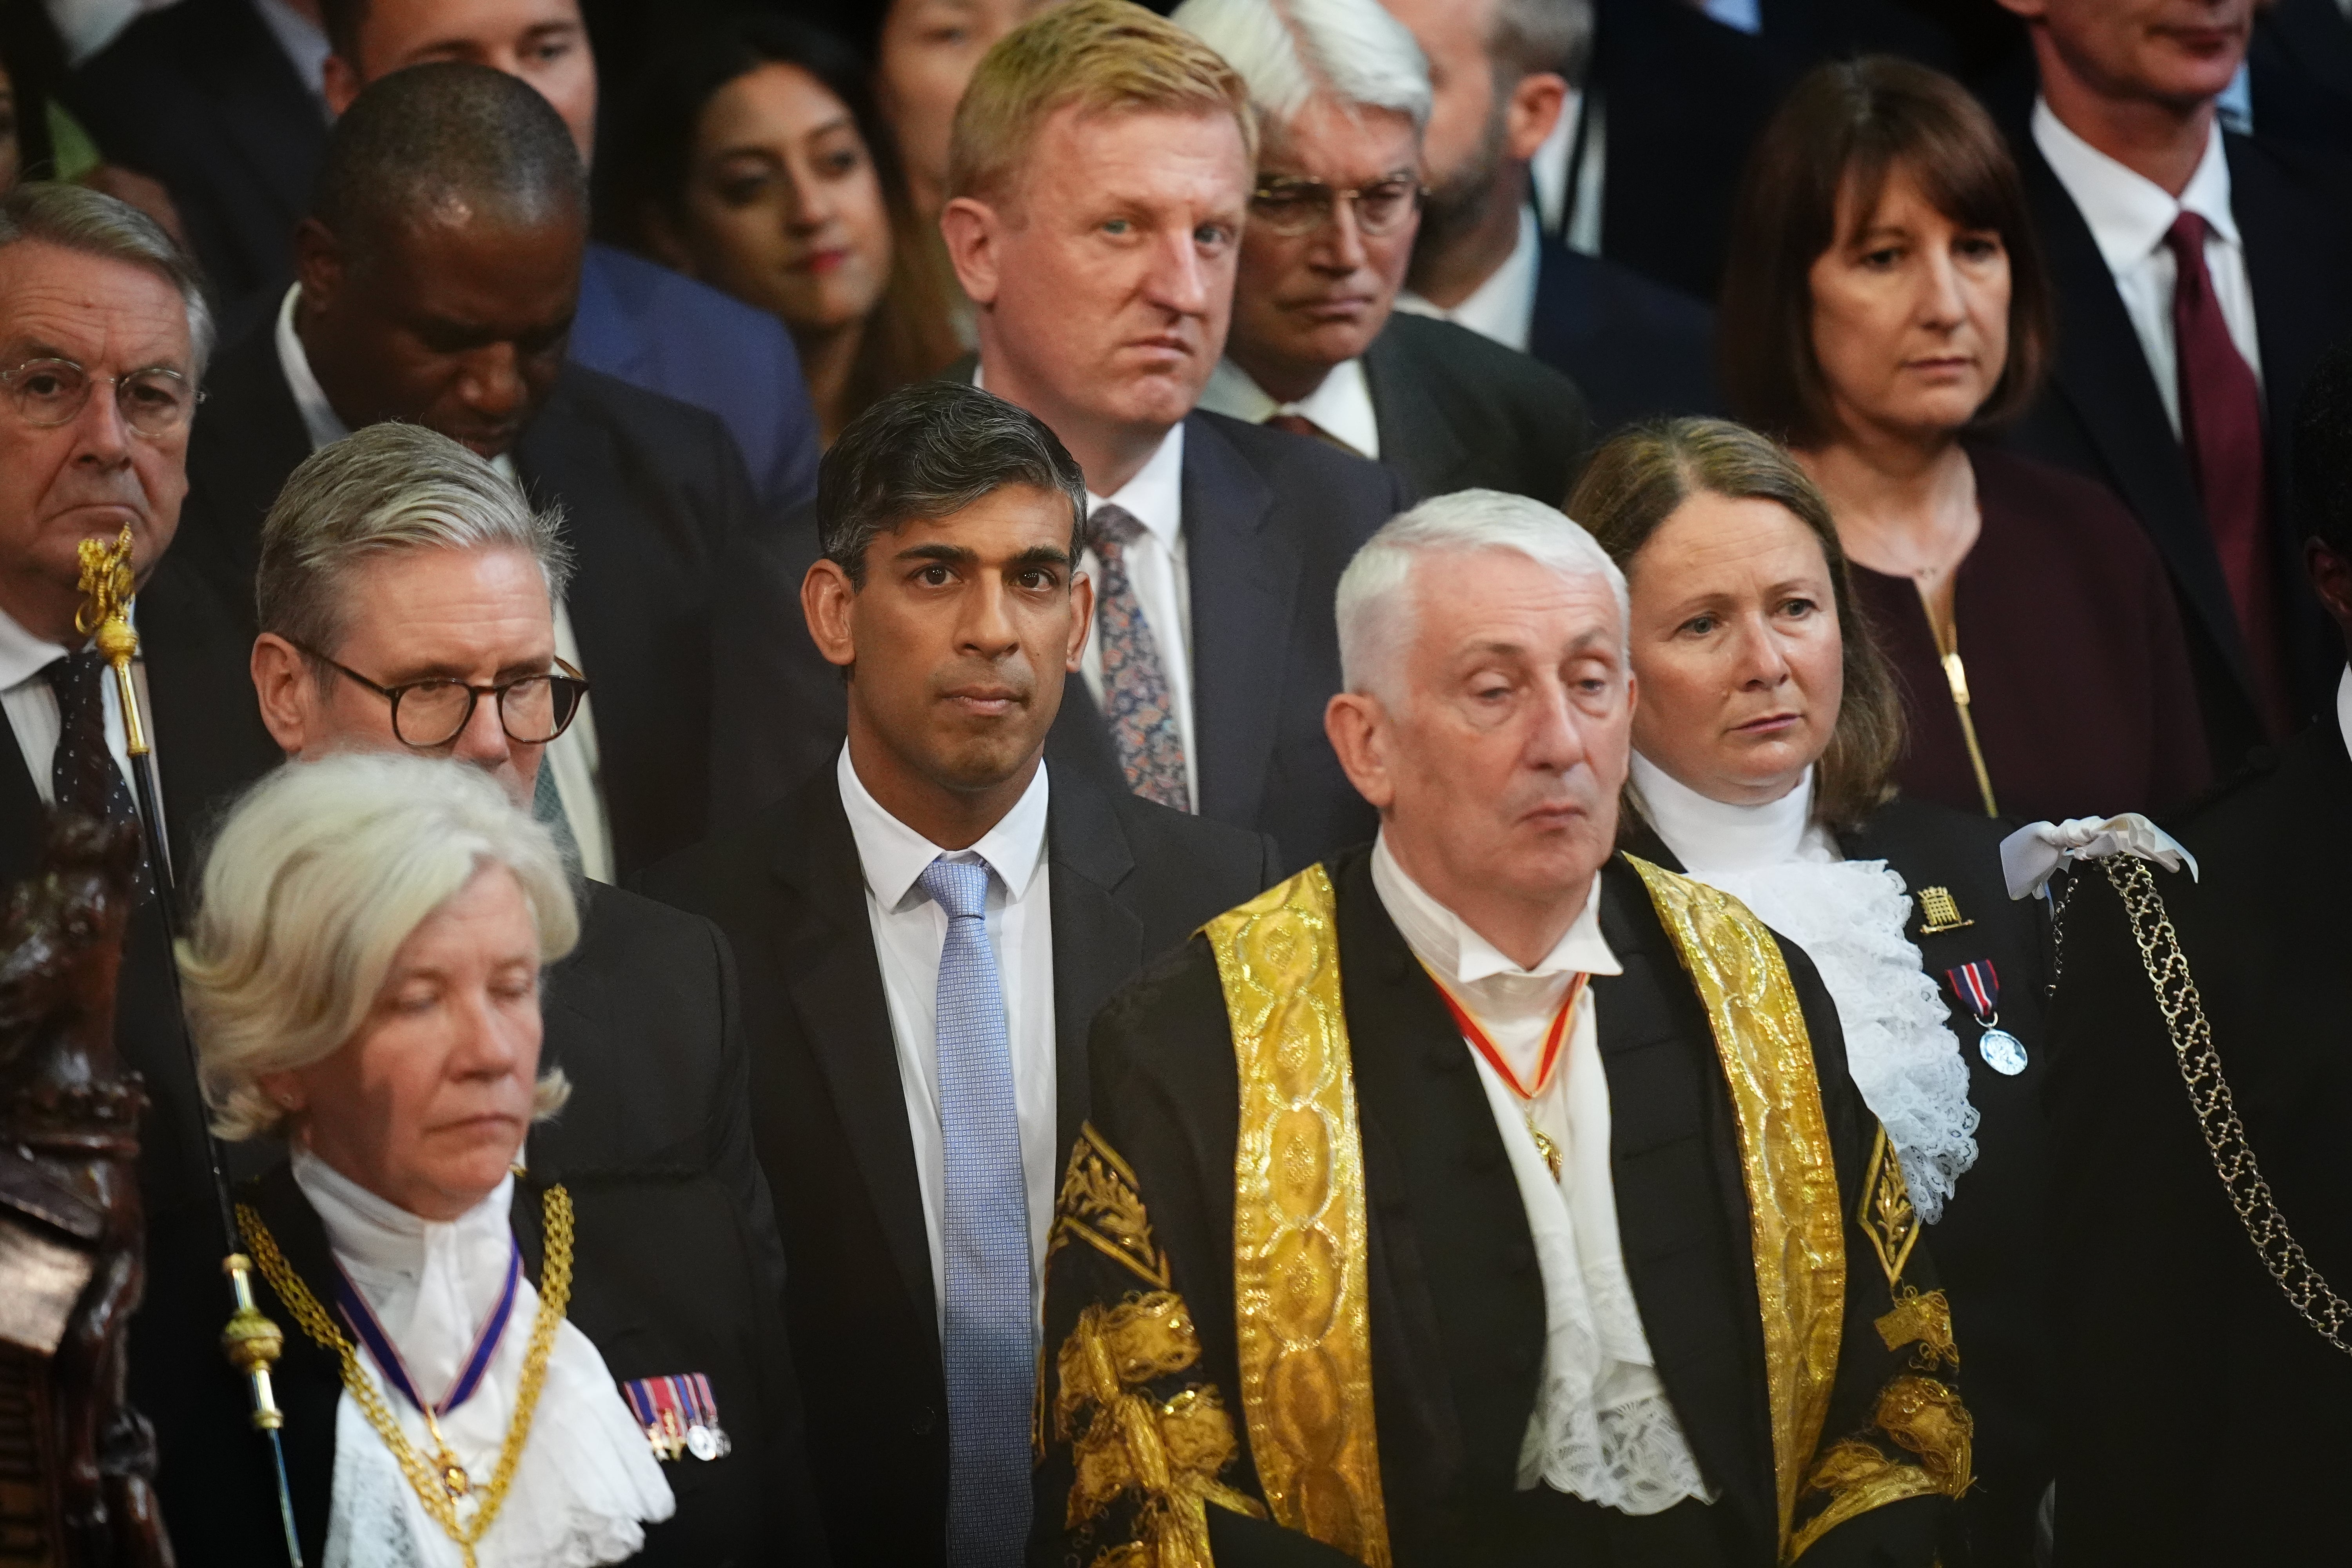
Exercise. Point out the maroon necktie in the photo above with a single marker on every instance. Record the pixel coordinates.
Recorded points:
(2221, 427)
(1299, 425)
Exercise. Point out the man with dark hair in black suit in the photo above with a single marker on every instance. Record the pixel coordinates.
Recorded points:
(2198, 274)
(439, 271)
(926, 928)
(1317, 345)
(2222, 1439)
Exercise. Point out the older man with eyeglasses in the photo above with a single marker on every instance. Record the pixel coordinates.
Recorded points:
(1342, 94)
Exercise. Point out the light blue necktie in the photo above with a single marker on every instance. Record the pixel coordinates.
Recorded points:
(989, 1350)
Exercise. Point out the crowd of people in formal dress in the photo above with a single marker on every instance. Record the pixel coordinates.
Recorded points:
(964, 782)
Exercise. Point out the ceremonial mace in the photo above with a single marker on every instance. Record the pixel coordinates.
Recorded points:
(251, 1342)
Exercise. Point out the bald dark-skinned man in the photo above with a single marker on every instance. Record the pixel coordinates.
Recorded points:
(439, 273)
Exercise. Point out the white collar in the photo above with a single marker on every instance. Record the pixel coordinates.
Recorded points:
(23, 656)
(1340, 405)
(1711, 835)
(1503, 307)
(320, 420)
(895, 856)
(378, 1234)
(1444, 939)
(1155, 497)
(2343, 706)
(2127, 213)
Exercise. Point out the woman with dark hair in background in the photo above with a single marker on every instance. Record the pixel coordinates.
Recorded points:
(1764, 748)
(758, 167)
(1885, 309)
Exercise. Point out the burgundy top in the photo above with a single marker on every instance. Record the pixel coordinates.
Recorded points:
(2078, 679)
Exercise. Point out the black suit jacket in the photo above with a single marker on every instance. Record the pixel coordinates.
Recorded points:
(2222, 1439)
(200, 97)
(653, 495)
(665, 1279)
(1129, 879)
(1457, 411)
(1455, 1294)
(1270, 521)
(1638, 348)
(2102, 417)
(2301, 61)
(1989, 1244)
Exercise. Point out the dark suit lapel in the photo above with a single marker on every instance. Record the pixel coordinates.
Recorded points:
(2102, 373)
(1682, 1209)
(1416, 437)
(1244, 578)
(246, 440)
(1097, 940)
(268, 112)
(824, 950)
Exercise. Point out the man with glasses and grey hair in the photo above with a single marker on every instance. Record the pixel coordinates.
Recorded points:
(405, 593)
(1544, 1142)
(1342, 97)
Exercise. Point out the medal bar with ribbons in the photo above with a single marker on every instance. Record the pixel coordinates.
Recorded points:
(679, 1414)
(1555, 1043)
(363, 1319)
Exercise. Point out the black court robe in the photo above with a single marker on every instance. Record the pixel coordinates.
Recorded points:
(1456, 1297)
(665, 1280)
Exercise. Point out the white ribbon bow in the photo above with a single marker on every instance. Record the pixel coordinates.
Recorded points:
(2032, 856)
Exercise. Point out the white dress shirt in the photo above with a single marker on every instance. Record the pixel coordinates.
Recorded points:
(2129, 216)
(910, 931)
(1341, 407)
(587, 1482)
(2344, 690)
(31, 705)
(1502, 308)
(573, 757)
(1602, 1428)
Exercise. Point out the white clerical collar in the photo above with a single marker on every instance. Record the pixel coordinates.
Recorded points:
(23, 656)
(895, 856)
(2127, 213)
(1341, 407)
(1156, 495)
(1708, 835)
(1459, 955)
(1503, 305)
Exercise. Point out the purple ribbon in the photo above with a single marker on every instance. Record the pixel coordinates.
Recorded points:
(363, 1323)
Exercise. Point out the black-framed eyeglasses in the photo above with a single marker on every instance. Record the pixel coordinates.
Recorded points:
(428, 714)
(49, 392)
(1295, 206)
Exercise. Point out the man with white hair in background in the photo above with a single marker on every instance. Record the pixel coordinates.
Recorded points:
(1555, 1150)
(1342, 98)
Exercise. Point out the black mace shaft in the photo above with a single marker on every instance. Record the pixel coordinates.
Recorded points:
(250, 1341)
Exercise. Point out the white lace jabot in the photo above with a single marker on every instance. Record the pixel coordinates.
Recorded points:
(1602, 1428)
(1849, 916)
(587, 1483)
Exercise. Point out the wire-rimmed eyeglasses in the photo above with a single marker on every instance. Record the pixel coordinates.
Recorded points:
(51, 392)
(428, 714)
(1291, 206)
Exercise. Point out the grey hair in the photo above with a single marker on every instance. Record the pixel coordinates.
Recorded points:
(321, 872)
(90, 222)
(1532, 36)
(1376, 598)
(388, 487)
(1290, 51)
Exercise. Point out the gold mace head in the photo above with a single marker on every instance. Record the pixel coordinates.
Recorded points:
(108, 583)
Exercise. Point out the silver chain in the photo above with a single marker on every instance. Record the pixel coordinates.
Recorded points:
(2217, 1113)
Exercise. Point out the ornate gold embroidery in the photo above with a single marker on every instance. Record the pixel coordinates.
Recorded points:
(1102, 1207)
(1924, 1321)
(1124, 1440)
(1887, 1216)
(1794, 1214)
(1923, 1415)
(1300, 1293)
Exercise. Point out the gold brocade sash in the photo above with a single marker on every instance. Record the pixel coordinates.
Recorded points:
(1300, 1286)
(1796, 1225)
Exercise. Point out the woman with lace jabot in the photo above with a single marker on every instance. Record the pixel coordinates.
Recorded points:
(1764, 742)
(494, 1355)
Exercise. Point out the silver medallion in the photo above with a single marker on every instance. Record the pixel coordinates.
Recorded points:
(2002, 1051)
(701, 1442)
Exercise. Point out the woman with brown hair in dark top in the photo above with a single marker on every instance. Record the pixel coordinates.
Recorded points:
(1884, 314)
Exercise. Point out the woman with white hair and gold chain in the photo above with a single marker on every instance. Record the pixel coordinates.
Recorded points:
(487, 1364)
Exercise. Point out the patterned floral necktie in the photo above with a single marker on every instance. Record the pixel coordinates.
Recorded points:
(1134, 681)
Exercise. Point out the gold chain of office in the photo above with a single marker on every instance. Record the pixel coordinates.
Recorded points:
(425, 1477)
(2176, 998)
